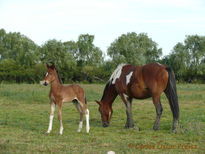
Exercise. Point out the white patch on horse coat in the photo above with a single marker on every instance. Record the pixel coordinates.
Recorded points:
(125, 97)
(159, 64)
(50, 124)
(116, 74)
(47, 74)
(87, 121)
(128, 77)
(61, 130)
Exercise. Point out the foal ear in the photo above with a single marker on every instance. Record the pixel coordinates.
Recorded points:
(47, 65)
(98, 102)
(53, 66)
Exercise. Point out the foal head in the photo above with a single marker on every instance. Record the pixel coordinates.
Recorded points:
(50, 75)
(106, 113)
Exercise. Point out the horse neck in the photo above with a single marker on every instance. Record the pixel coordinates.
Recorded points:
(109, 94)
(55, 83)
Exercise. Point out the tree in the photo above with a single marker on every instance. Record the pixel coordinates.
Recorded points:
(188, 58)
(134, 49)
(179, 61)
(195, 46)
(19, 48)
(88, 54)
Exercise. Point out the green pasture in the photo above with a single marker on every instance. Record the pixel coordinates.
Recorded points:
(24, 118)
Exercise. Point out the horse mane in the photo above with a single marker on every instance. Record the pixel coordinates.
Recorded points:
(58, 76)
(106, 87)
(114, 74)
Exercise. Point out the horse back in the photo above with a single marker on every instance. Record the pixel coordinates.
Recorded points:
(144, 81)
(68, 93)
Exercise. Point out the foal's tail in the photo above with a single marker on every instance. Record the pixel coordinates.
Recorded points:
(171, 93)
(85, 100)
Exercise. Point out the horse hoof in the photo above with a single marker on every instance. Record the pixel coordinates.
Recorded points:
(174, 131)
(129, 127)
(155, 128)
(137, 128)
(87, 131)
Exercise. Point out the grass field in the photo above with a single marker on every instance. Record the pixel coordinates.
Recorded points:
(24, 117)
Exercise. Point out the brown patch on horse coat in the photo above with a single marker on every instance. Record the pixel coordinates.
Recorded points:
(142, 84)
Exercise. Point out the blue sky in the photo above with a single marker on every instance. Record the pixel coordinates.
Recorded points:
(165, 21)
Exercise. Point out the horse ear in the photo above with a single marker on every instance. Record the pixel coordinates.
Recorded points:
(47, 65)
(53, 66)
(98, 102)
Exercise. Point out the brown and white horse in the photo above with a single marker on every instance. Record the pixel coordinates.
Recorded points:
(59, 94)
(140, 82)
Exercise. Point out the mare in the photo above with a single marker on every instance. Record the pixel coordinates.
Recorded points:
(59, 94)
(140, 82)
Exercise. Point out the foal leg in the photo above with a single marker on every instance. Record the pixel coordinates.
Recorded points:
(77, 105)
(81, 122)
(159, 110)
(60, 117)
(87, 115)
(52, 106)
(128, 104)
(83, 108)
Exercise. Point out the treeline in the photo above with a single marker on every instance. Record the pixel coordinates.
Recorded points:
(21, 60)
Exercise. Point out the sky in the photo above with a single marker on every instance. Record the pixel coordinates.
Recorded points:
(166, 22)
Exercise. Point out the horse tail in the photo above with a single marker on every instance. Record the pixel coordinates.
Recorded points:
(85, 100)
(171, 93)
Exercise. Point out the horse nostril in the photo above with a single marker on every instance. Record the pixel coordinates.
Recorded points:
(45, 83)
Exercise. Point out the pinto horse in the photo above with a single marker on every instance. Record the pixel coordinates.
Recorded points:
(59, 94)
(140, 82)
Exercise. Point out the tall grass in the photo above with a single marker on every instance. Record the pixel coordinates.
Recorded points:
(24, 115)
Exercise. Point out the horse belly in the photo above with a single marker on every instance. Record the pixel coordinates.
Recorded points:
(139, 92)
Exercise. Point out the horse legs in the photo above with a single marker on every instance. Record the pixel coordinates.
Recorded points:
(159, 109)
(87, 114)
(128, 104)
(81, 122)
(82, 109)
(78, 107)
(52, 106)
(60, 117)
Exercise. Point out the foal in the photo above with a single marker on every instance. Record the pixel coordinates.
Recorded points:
(59, 94)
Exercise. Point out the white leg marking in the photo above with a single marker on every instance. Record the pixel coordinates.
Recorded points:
(126, 97)
(51, 118)
(50, 124)
(80, 126)
(128, 77)
(61, 131)
(116, 74)
(109, 115)
(87, 121)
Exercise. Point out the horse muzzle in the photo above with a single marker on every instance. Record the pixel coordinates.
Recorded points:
(44, 83)
(105, 124)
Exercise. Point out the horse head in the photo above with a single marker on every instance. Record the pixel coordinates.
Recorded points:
(50, 75)
(106, 113)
